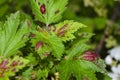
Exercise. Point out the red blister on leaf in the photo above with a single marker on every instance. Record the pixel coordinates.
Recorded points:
(3, 64)
(38, 45)
(90, 56)
(43, 9)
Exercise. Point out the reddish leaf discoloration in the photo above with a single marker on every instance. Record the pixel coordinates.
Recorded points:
(38, 45)
(90, 56)
(62, 30)
(43, 9)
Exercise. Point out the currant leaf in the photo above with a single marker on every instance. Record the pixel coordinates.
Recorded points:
(9, 66)
(65, 30)
(50, 43)
(13, 35)
(48, 11)
(75, 68)
(80, 69)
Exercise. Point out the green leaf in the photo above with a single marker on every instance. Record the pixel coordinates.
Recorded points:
(51, 43)
(77, 50)
(79, 46)
(75, 68)
(57, 46)
(103, 77)
(13, 35)
(53, 10)
(73, 65)
(5, 78)
(65, 30)
(42, 74)
(106, 77)
(80, 69)
(32, 59)
(101, 64)
(27, 73)
(11, 65)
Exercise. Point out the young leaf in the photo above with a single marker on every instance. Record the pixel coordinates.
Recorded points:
(42, 74)
(32, 59)
(78, 47)
(27, 73)
(48, 11)
(65, 30)
(46, 42)
(77, 50)
(13, 35)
